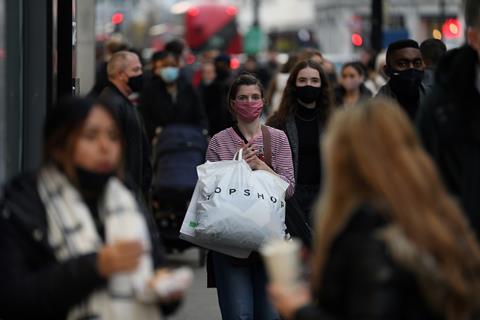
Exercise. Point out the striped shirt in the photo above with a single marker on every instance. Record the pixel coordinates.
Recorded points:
(226, 143)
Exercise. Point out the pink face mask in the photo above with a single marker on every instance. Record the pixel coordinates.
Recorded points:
(248, 111)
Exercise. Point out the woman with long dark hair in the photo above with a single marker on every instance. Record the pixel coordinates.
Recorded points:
(304, 109)
(390, 242)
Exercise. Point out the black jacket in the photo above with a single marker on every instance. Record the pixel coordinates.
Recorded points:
(215, 100)
(362, 280)
(137, 148)
(159, 109)
(449, 127)
(411, 110)
(298, 211)
(101, 80)
(34, 285)
(289, 126)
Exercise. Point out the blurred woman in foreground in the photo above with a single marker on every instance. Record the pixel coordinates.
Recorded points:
(74, 241)
(390, 242)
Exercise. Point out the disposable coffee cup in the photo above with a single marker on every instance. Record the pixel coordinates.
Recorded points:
(282, 260)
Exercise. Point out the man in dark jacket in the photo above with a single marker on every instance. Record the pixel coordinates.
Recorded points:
(168, 98)
(449, 119)
(404, 66)
(101, 76)
(126, 76)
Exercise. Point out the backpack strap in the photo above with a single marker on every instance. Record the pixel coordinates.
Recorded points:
(267, 145)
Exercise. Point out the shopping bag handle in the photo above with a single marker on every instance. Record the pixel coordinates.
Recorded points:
(238, 155)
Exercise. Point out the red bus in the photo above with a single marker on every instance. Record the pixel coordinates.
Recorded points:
(212, 26)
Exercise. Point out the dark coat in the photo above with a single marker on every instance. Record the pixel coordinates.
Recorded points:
(449, 127)
(298, 211)
(290, 129)
(34, 285)
(363, 279)
(215, 100)
(159, 109)
(387, 91)
(101, 80)
(136, 149)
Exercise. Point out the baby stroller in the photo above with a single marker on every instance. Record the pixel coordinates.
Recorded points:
(177, 151)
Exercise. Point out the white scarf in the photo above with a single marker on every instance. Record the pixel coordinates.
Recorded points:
(72, 232)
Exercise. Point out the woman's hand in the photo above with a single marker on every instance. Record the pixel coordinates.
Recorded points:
(287, 302)
(122, 256)
(163, 275)
(250, 156)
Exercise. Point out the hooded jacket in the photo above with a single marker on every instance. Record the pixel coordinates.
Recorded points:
(448, 123)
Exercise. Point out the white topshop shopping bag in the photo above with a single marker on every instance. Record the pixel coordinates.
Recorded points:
(235, 210)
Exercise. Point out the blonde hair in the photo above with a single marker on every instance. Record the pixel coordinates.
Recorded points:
(373, 155)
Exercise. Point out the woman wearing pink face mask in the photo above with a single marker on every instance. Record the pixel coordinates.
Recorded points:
(241, 282)
(351, 90)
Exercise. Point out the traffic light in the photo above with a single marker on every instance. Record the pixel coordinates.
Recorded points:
(193, 11)
(234, 63)
(357, 39)
(117, 20)
(451, 29)
(231, 10)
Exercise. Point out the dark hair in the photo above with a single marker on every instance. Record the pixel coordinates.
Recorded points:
(245, 79)
(176, 47)
(288, 104)
(160, 55)
(64, 122)
(355, 65)
(291, 62)
(222, 57)
(432, 51)
(472, 13)
(398, 45)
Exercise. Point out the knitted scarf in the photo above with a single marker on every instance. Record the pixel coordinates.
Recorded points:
(72, 233)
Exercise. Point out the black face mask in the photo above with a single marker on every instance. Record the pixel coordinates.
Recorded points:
(406, 82)
(136, 83)
(307, 94)
(91, 182)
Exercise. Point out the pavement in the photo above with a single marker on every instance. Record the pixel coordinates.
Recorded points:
(200, 302)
